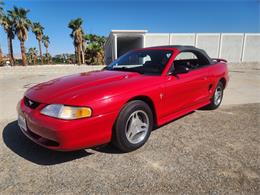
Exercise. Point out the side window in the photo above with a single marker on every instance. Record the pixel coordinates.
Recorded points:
(185, 56)
(190, 60)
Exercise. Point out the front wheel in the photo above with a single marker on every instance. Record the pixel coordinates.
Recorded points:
(133, 126)
(217, 97)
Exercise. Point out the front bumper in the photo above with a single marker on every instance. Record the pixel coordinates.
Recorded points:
(66, 135)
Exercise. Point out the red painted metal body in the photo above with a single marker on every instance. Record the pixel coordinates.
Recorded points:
(106, 92)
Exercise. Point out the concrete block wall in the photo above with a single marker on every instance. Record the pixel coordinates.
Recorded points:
(156, 39)
(251, 49)
(231, 47)
(182, 39)
(208, 42)
(235, 47)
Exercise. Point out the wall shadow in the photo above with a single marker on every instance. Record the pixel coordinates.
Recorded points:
(16, 141)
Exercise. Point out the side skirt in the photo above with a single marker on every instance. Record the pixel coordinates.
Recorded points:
(176, 115)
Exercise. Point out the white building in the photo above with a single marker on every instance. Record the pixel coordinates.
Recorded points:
(235, 47)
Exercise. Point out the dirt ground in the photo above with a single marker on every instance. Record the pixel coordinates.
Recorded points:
(204, 152)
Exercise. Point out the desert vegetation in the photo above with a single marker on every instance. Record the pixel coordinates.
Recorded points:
(89, 48)
(16, 23)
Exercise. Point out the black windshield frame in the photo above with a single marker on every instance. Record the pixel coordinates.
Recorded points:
(147, 62)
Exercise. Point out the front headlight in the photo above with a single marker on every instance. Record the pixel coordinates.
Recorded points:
(66, 112)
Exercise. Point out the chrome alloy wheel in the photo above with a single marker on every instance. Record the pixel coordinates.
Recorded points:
(218, 95)
(137, 126)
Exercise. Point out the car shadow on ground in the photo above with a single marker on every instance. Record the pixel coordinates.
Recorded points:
(108, 149)
(16, 141)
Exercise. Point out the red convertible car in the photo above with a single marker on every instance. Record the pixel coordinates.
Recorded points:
(143, 89)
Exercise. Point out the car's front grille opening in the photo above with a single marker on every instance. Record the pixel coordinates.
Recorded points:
(48, 142)
(43, 140)
(31, 103)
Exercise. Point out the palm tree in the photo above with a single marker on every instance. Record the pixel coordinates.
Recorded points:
(49, 58)
(1, 15)
(7, 23)
(1, 8)
(21, 26)
(83, 48)
(37, 29)
(1, 55)
(32, 55)
(95, 49)
(46, 42)
(77, 35)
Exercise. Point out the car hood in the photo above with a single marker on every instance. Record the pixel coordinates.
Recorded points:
(90, 85)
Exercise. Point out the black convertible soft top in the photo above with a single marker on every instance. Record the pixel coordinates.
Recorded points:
(188, 48)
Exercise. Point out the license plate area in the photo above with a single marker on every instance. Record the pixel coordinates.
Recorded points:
(22, 122)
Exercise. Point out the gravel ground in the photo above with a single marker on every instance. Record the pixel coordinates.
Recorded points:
(214, 152)
(205, 152)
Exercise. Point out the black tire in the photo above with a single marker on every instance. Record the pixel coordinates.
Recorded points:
(215, 103)
(120, 134)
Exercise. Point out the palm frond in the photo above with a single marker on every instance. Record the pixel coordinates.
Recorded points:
(1, 8)
(37, 29)
(46, 41)
(8, 25)
(21, 23)
(75, 24)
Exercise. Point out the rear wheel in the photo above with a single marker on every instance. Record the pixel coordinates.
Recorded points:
(133, 126)
(217, 97)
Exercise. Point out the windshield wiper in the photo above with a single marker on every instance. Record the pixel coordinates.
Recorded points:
(120, 68)
(126, 69)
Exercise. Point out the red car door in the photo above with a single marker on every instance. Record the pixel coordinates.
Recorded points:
(185, 90)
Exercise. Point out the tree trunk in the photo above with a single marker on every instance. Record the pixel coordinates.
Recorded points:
(34, 59)
(1, 55)
(10, 50)
(47, 56)
(79, 53)
(40, 49)
(75, 59)
(83, 53)
(23, 53)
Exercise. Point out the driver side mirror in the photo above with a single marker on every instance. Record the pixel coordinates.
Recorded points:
(179, 70)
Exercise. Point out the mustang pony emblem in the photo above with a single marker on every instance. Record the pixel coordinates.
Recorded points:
(30, 102)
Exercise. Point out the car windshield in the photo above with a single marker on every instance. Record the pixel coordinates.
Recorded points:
(142, 61)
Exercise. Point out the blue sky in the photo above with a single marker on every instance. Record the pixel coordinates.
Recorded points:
(101, 16)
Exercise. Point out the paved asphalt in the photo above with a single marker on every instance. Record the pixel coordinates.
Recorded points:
(204, 152)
